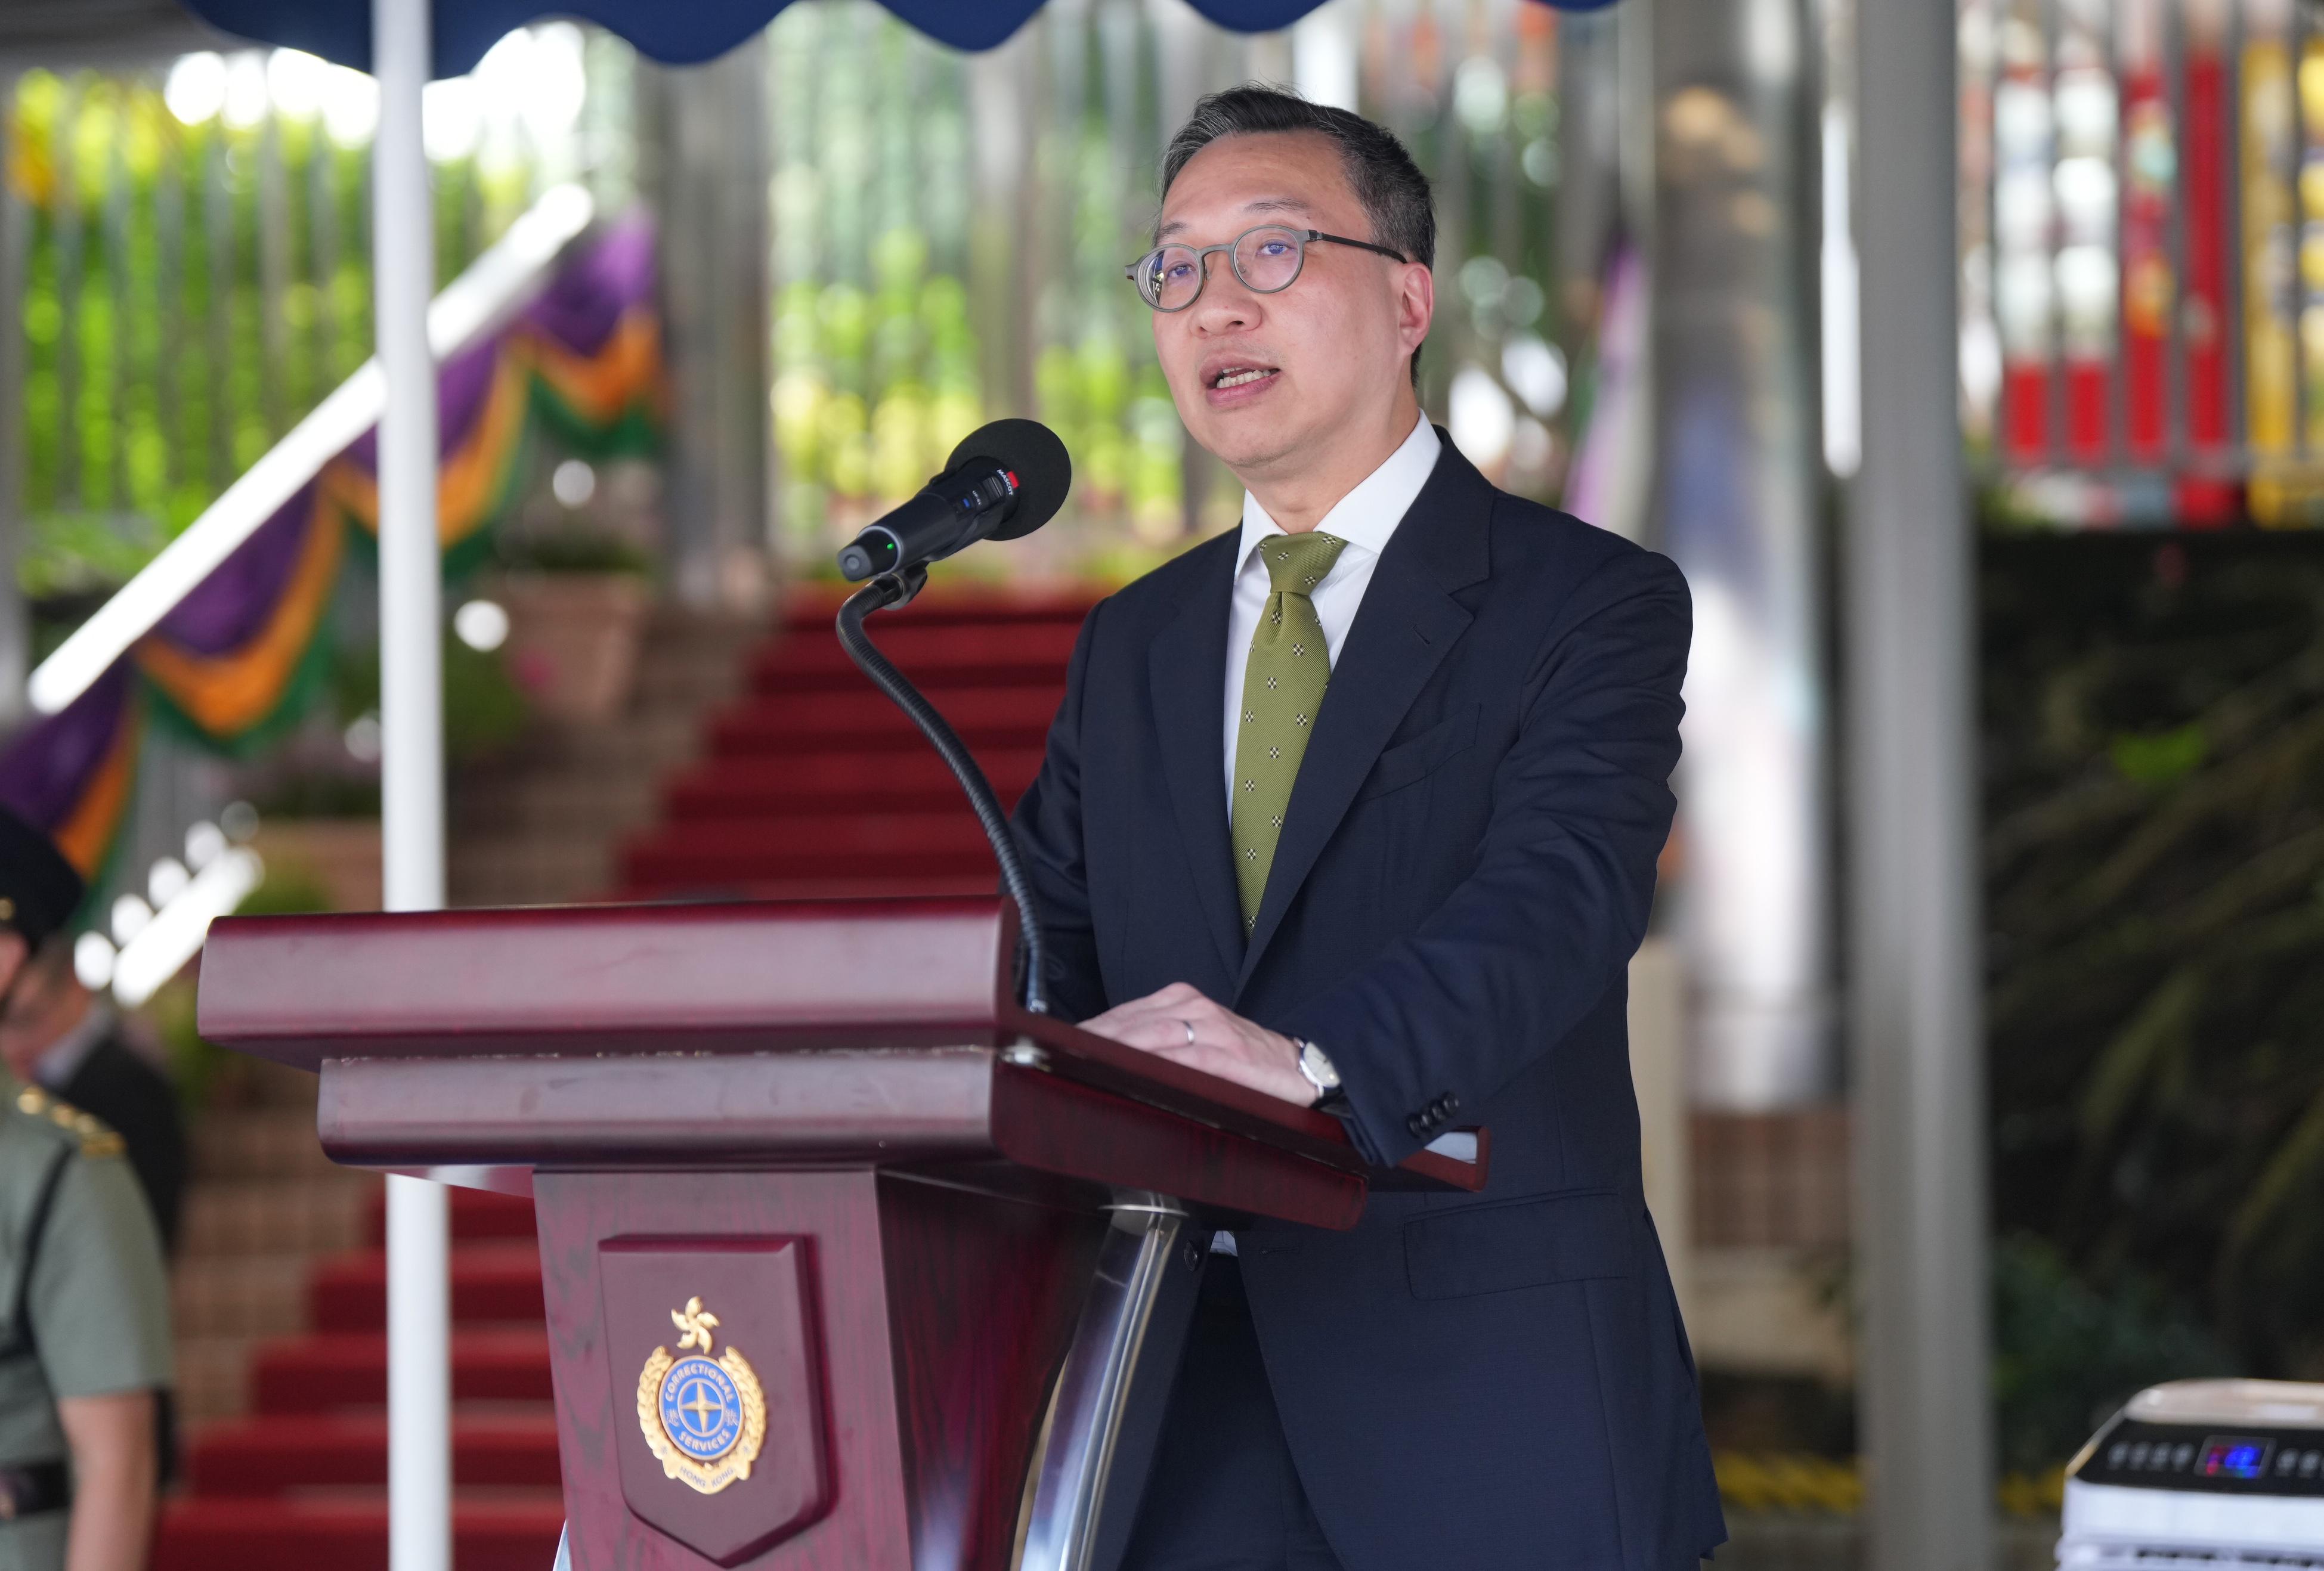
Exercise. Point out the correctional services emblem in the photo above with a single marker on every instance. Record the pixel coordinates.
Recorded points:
(706, 1420)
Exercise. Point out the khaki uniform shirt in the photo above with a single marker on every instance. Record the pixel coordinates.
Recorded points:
(98, 1298)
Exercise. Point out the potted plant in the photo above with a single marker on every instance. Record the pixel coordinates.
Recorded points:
(577, 600)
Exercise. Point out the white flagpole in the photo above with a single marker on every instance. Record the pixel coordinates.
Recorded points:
(412, 759)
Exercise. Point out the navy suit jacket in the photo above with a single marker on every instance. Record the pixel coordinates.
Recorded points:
(1469, 1383)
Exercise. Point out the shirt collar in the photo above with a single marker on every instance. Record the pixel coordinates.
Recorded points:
(1366, 515)
(62, 1058)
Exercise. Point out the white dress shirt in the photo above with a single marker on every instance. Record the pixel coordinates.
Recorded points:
(1365, 518)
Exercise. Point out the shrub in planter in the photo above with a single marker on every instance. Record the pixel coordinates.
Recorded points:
(578, 603)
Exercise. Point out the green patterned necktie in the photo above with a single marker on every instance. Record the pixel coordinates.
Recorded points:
(1281, 693)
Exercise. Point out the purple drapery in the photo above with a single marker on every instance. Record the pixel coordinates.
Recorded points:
(48, 770)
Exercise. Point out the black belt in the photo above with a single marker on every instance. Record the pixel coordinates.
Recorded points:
(31, 1488)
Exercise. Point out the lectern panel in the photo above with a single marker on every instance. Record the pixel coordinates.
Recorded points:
(866, 1526)
(983, 1294)
(714, 1344)
(942, 1313)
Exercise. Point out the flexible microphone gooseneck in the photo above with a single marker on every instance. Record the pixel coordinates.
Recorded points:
(1040, 473)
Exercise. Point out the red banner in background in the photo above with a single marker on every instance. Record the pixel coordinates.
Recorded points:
(2148, 289)
(2203, 315)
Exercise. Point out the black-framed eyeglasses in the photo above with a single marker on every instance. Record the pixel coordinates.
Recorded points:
(1266, 259)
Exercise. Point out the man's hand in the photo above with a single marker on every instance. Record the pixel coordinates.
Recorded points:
(1182, 1025)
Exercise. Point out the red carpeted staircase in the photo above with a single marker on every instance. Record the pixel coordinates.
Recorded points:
(810, 785)
(302, 1482)
(813, 785)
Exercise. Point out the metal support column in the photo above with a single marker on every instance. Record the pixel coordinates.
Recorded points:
(1926, 1418)
(412, 759)
(15, 613)
(704, 164)
(1095, 1448)
(1737, 501)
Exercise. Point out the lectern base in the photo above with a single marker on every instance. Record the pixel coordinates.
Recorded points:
(939, 1319)
(1106, 1409)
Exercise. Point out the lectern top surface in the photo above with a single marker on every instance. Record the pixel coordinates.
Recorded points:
(564, 976)
(768, 976)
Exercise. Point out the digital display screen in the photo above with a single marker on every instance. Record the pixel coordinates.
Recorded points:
(2230, 1457)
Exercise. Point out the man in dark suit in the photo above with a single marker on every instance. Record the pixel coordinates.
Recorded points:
(1359, 805)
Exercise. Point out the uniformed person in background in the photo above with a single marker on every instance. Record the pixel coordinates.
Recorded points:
(84, 1299)
(57, 1035)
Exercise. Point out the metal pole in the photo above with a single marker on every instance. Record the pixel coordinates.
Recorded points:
(411, 760)
(1926, 1418)
(1089, 1464)
(15, 614)
(709, 189)
(1735, 501)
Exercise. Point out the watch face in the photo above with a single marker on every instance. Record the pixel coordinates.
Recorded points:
(1318, 1068)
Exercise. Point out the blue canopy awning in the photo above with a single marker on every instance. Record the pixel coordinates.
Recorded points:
(674, 31)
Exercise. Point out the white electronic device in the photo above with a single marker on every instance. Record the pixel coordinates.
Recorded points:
(2218, 1473)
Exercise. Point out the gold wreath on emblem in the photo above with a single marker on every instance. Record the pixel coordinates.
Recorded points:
(708, 1474)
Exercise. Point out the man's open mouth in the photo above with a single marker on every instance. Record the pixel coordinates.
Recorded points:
(1237, 375)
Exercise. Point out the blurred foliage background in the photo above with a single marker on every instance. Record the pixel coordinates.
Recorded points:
(194, 261)
(2154, 844)
(949, 232)
(947, 238)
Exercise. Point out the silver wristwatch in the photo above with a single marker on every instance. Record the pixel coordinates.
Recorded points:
(1321, 1074)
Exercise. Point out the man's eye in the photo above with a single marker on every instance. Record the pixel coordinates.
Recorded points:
(1178, 269)
(1274, 248)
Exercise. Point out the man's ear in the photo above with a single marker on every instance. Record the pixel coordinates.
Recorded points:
(14, 952)
(1415, 304)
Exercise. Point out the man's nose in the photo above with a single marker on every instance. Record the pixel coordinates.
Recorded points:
(1225, 306)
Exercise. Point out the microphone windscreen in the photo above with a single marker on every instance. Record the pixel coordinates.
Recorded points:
(1032, 452)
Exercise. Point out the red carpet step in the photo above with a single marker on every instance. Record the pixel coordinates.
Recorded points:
(741, 853)
(314, 1374)
(808, 610)
(939, 656)
(494, 1531)
(494, 1282)
(277, 1454)
(799, 725)
(771, 790)
(476, 1215)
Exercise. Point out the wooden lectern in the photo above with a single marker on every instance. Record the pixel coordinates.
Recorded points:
(850, 1263)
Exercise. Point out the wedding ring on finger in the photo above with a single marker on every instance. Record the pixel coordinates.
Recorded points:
(1190, 1031)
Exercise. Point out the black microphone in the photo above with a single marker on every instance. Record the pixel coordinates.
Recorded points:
(1003, 480)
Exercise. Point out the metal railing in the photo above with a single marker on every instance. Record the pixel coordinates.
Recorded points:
(187, 246)
(508, 274)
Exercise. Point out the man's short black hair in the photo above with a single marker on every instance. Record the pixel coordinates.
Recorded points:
(1393, 191)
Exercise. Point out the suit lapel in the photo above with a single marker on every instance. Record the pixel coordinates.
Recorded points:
(1186, 671)
(1402, 632)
